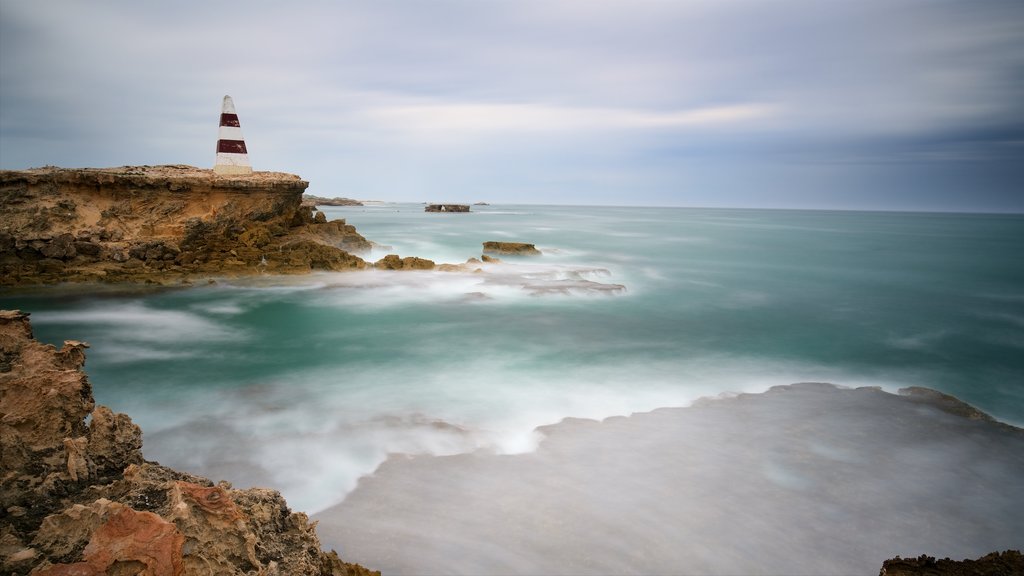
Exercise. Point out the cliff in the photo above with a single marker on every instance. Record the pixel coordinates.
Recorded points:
(77, 497)
(163, 223)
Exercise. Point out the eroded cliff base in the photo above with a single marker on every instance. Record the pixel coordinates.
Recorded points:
(163, 224)
(77, 497)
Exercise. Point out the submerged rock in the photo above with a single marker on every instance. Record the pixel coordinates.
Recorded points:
(79, 499)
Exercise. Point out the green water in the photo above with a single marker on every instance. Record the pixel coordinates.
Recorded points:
(316, 379)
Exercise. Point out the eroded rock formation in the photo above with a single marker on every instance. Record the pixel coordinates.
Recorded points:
(396, 262)
(511, 248)
(163, 223)
(77, 497)
(446, 208)
(994, 564)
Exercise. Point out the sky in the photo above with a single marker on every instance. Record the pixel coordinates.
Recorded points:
(873, 104)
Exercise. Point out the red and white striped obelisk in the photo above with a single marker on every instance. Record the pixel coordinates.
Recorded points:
(231, 155)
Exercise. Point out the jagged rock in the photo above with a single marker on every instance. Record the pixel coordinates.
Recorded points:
(161, 224)
(394, 262)
(61, 248)
(79, 499)
(511, 248)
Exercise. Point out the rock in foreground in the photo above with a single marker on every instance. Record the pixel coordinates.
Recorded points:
(163, 223)
(77, 497)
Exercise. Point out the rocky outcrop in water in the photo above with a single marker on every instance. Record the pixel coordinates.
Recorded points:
(446, 208)
(994, 564)
(511, 248)
(162, 224)
(396, 262)
(77, 497)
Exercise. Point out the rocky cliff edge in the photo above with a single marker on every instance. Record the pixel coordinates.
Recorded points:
(77, 497)
(162, 224)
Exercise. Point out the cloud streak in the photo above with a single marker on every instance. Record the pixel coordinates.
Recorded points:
(678, 103)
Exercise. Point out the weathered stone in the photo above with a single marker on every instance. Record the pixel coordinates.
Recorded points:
(61, 247)
(79, 498)
(394, 262)
(511, 248)
(135, 224)
(447, 208)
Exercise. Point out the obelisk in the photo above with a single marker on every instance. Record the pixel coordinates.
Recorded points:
(232, 157)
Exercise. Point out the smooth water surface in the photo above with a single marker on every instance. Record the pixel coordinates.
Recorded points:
(307, 383)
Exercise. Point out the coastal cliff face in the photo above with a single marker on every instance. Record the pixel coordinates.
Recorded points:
(77, 497)
(162, 223)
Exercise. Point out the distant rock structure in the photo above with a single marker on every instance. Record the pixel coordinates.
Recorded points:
(447, 208)
(232, 157)
(78, 498)
(163, 224)
(994, 564)
(481, 204)
(511, 248)
(310, 200)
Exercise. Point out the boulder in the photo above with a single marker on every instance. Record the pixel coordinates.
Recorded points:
(394, 262)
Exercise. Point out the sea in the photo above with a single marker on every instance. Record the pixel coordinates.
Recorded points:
(308, 384)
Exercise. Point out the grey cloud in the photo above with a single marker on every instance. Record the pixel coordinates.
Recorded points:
(319, 90)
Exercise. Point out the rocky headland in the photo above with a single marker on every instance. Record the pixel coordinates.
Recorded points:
(314, 201)
(77, 497)
(446, 208)
(163, 224)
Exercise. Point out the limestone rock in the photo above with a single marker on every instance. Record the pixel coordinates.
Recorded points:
(511, 248)
(395, 262)
(79, 499)
(162, 224)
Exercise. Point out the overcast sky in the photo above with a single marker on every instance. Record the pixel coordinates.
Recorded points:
(868, 104)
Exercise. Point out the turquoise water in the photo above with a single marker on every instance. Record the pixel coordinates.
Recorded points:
(307, 383)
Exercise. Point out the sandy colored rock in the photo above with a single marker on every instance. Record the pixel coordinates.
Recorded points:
(79, 499)
(162, 224)
(511, 248)
(395, 262)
